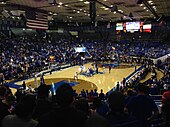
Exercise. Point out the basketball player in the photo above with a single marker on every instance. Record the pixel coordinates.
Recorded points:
(104, 69)
(76, 76)
(110, 68)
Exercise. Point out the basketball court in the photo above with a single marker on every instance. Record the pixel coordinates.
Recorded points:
(105, 81)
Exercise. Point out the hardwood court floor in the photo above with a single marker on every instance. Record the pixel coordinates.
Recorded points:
(104, 81)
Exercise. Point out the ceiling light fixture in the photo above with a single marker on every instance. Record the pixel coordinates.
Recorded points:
(2, 2)
(50, 13)
(120, 11)
(106, 9)
(86, 2)
(60, 3)
(150, 1)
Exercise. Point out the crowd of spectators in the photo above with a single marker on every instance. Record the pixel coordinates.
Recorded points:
(132, 107)
(149, 49)
(21, 57)
(129, 105)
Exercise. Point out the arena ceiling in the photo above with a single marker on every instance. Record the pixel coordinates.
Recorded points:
(78, 10)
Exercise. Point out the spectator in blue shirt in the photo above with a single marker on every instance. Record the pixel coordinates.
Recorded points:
(141, 106)
(117, 116)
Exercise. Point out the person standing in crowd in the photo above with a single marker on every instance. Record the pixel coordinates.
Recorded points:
(2, 79)
(83, 93)
(64, 114)
(43, 91)
(24, 85)
(22, 114)
(117, 116)
(5, 103)
(166, 106)
(124, 82)
(101, 95)
(95, 94)
(100, 106)
(142, 107)
(42, 80)
(82, 105)
(118, 87)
